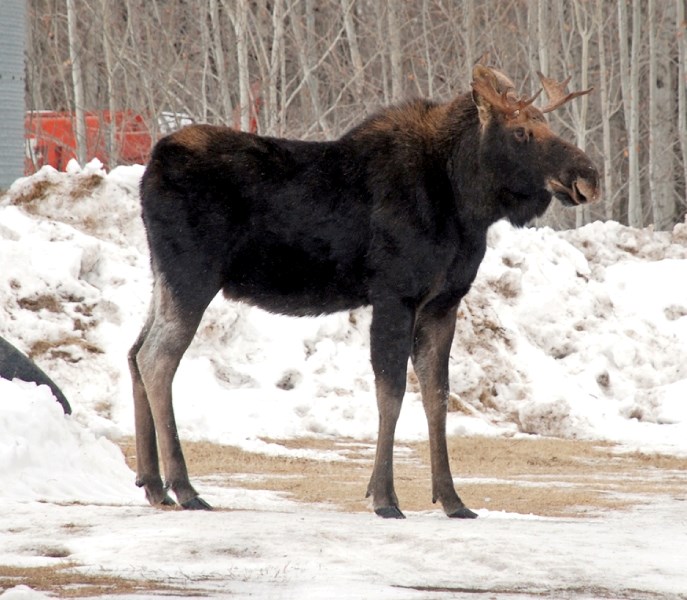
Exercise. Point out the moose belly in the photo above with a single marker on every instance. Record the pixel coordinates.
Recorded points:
(295, 280)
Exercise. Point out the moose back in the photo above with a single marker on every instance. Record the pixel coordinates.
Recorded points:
(394, 215)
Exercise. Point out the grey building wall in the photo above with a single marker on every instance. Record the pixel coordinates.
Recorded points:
(12, 108)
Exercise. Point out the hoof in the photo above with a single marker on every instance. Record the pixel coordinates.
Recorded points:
(196, 503)
(167, 501)
(155, 493)
(463, 513)
(389, 512)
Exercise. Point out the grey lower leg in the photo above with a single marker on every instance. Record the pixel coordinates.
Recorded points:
(147, 465)
(170, 331)
(381, 486)
(390, 341)
(431, 349)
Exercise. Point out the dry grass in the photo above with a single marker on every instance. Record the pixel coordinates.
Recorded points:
(66, 581)
(84, 185)
(548, 477)
(33, 195)
(60, 348)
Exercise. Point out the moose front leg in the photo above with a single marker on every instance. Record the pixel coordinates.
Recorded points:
(390, 342)
(431, 348)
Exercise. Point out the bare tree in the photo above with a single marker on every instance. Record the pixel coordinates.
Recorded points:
(347, 10)
(681, 28)
(215, 33)
(468, 28)
(77, 82)
(584, 28)
(395, 54)
(303, 25)
(606, 107)
(629, 78)
(276, 62)
(661, 170)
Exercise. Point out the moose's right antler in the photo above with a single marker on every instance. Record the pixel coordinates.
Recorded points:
(557, 93)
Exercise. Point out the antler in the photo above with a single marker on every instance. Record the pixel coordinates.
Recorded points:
(556, 92)
(499, 91)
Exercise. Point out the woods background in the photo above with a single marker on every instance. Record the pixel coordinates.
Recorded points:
(313, 68)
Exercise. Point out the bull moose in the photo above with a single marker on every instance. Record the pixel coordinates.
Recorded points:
(394, 214)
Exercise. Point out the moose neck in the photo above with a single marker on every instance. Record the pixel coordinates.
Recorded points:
(480, 195)
(475, 194)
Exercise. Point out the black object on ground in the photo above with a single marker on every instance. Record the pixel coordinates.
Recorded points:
(15, 364)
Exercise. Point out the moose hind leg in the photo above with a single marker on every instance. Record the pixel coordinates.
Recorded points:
(147, 465)
(431, 349)
(171, 329)
(390, 338)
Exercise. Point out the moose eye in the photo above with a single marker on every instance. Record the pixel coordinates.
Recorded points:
(521, 134)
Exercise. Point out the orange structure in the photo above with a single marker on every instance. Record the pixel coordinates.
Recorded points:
(51, 136)
(51, 139)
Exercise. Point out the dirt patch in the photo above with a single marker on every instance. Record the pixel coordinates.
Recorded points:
(67, 347)
(41, 302)
(84, 185)
(547, 477)
(33, 195)
(66, 581)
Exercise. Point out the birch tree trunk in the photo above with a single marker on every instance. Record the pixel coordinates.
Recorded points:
(532, 38)
(661, 171)
(681, 28)
(206, 43)
(605, 103)
(580, 110)
(629, 80)
(111, 138)
(218, 54)
(77, 83)
(543, 8)
(303, 37)
(382, 42)
(347, 9)
(539, 44)
(239, 17)
(468, 25)
(276, 54)
(395, 56)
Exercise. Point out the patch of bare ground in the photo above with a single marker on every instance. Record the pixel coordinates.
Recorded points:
(67, 581)
(542, 476)
(33, 195)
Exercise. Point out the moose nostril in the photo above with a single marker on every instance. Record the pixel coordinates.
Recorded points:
(587, 190)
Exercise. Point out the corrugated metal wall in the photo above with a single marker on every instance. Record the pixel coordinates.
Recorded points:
(12, 37)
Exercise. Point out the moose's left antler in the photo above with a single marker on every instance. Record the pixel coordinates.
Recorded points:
(499, 90)
(557, 93)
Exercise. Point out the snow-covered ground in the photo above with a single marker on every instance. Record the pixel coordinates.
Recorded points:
(580, 334)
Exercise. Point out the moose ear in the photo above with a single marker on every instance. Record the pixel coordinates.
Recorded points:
(484, 92)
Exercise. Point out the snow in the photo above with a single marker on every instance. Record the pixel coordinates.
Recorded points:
(579, 334)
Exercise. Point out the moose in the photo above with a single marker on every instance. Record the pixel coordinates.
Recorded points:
(393, 215)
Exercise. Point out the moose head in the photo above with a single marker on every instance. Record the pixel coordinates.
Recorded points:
(526, 159)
